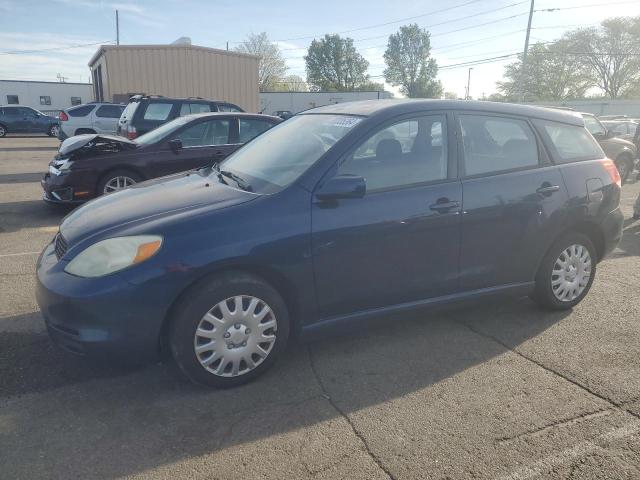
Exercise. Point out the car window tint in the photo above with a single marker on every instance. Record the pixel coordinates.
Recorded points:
(189, 108)
(569, 143)
(493, 144)
(158, 111)
(11, 112)
(250, 128)
(213, 132)
(82, 111)
(226, 107)
(593, 125)
(109, 111)
(405, 153)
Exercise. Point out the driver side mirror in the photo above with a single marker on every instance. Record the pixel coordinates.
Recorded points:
(175, 145)
(342, 186)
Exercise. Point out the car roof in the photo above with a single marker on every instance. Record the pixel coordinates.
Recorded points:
(369, 108)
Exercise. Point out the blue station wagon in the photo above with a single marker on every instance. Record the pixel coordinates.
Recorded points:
(338, 215)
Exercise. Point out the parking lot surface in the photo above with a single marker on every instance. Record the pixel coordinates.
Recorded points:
(501, 390)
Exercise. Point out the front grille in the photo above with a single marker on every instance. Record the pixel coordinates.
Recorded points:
(60, 246)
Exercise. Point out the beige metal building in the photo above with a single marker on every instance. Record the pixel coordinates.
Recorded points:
(177, 70)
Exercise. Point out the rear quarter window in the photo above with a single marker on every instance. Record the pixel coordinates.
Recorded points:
(569, 143)
(109, 111)
(158, 111)
(82, 111)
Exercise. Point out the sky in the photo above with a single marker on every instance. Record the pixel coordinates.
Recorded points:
(35, 36)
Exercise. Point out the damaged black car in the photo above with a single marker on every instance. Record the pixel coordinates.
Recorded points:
(87, 166)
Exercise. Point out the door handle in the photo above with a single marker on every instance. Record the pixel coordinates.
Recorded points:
(444, 206)
(547, 189)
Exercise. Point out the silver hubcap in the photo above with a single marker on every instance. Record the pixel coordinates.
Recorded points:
(235, 336)
(55, 130)
(2, 131)
(118, 183)
(571, 273)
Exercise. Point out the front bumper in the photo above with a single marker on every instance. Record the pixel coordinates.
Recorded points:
(59, 189)
(106, 317)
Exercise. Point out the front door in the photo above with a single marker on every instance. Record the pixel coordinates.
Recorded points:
(400, 242)
(512, 196)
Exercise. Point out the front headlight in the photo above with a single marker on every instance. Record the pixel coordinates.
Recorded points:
(113, 254)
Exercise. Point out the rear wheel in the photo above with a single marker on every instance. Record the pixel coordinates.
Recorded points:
(624, 164)
(54, 130)
(3, 131)
(117, 180)
(228, 330)
(566, 272)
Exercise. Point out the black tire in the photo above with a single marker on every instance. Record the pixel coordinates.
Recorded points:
(107, 177)
(202, 298)
(53, 130)
(543, 294)
(84, 131)
(624, 164)
(3, 131)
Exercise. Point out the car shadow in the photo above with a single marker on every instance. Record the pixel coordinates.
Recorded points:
(152, 417)
(20, 178)
(30, 214)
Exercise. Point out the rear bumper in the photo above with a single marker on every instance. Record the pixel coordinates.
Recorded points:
(612, 230)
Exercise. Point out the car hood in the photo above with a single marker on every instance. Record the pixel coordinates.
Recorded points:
(81, 145)
(154, 200)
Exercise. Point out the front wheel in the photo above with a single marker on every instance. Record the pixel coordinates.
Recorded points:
(566, 272)
(117, 180)
(624, 164)
(3, 131)
(228, 330)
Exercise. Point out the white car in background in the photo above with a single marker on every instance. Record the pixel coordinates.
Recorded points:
(95, 117)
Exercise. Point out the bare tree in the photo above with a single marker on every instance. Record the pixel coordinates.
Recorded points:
(272, 66)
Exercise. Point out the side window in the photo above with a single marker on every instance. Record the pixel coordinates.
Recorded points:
(568, 143)
(188, 108)
(593, 125)
(213, 132)
(405, 153)
(227, 107)
(494, 144)
(158, 111)
(250, 128)
(109, 111)
(12, 100)
(76, 100)
(11, 112)
(45, 100)
(82, 111)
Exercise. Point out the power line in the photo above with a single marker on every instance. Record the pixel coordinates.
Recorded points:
(20, 52)
(553, 9)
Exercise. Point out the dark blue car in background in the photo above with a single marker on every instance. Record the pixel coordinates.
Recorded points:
(337, 215)
(18, 119)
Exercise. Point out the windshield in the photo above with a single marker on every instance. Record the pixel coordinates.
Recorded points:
(593, 125)
(280, 155)
(162, 131)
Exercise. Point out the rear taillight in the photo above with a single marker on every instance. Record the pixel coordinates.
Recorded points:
(612, 170)
(131, 132)
(63, 117)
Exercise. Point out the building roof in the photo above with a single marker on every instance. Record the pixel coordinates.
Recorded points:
(399, 106)
(103, 48)
(44, 81)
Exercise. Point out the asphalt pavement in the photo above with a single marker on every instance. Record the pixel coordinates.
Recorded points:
(498, 390)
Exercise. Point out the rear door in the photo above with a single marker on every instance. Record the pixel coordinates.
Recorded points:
(106, 117)
(16, 119)
(512, 200)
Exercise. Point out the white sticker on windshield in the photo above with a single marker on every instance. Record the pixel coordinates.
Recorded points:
(345, 122)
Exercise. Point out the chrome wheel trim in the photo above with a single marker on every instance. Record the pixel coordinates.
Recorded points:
(3, 132)
(55, 130)
(118, 183)
(235, 336)
(571, 273)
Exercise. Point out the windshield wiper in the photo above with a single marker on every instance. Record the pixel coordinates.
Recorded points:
(241, 182)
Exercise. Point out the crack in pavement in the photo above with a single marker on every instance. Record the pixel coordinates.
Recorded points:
(565, 422)
(616, 405)
(335, 406)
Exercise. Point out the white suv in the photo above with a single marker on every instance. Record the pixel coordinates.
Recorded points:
(90, 118)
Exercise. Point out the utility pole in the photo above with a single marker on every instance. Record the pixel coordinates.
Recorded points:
(469, 84)
(227, 46)
(117, 29)
(524, 55)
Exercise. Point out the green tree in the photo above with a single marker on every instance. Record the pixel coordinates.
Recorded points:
(409, 64)
(609, 54)
(291, 83)
(272, 66)
(551, 73)
(334, 64)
